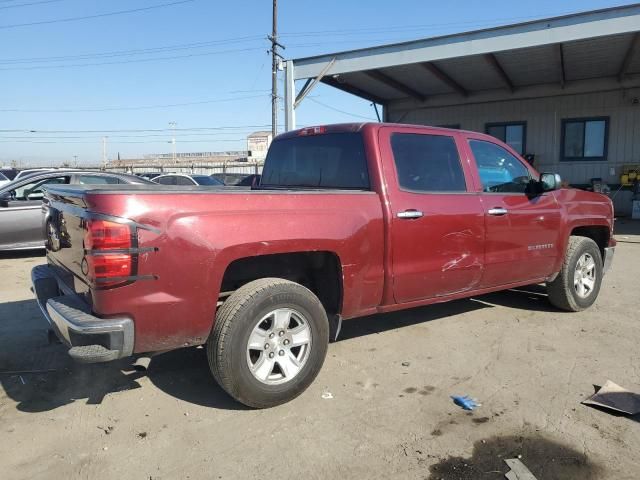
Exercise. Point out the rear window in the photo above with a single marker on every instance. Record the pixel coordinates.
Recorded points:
(334, 160)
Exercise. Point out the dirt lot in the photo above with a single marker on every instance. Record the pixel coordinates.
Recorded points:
(390, 377)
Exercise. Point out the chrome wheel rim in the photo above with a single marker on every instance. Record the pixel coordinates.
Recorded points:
(279, 346)
(584, 277)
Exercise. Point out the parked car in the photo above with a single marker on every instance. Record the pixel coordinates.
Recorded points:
(21, 203)
(3, 179)
(348, 220)
(149, 175)
(182, 179)
(237, 179)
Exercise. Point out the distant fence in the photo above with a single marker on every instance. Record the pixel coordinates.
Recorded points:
(202, 169)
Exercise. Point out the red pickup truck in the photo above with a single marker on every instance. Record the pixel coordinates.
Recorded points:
(348, 220)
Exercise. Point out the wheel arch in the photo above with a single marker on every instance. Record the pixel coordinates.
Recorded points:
(319, 271)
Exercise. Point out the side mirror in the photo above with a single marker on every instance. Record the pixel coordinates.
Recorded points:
(550, 181)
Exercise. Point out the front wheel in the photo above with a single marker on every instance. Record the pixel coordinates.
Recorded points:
(577, 285)
(269, 342)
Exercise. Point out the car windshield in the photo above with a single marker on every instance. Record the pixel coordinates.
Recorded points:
(2, 177)
(206, 180)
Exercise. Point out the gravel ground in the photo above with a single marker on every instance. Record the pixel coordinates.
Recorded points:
(389, 414)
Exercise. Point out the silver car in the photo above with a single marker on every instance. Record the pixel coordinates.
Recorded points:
(21, 203)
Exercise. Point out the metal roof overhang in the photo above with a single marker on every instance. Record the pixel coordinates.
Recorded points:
(563, 51)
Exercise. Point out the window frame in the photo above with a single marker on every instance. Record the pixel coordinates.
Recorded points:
(584, 120)
(519, 123)
(459, 151)
(507, 148)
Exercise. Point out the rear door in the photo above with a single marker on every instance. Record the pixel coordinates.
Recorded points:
(522, 229)
(437, 229)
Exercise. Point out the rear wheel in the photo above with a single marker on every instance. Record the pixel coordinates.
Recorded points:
(269, 342)
(577, 285)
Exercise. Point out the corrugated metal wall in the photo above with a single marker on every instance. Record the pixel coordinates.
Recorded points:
(544, 117)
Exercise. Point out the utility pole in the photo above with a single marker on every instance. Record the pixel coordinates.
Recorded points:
(104, 153)
(75, 161)
(173, 140)
(275, 62)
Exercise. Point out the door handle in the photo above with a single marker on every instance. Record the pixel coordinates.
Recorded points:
(409, 214)
(498, 211)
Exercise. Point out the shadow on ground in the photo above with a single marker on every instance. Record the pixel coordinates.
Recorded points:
(40, 376)
(31, 253)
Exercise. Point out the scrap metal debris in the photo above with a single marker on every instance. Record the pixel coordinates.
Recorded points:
(327, 395)
(518, 470)
(466, 402)
(613, 397)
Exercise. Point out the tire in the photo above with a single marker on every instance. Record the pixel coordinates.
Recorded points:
(254, 312)
(567, 291)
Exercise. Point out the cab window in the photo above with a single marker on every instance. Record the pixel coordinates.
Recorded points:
(427, 163)
(500, 171)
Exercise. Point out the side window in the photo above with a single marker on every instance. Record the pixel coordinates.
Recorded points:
(97, 180)
(184, 181)
(34, 190)
(167, 180)
(427, 163)
(499, 170)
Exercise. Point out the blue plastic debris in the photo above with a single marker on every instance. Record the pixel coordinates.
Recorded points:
(466, 402)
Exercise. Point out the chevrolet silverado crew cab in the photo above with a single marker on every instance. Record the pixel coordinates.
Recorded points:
(347, 220)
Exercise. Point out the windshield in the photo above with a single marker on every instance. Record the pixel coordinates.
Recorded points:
(334, 160)
(3, 178)
(206, 180)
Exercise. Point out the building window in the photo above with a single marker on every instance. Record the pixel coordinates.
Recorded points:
(585, 139)
(513, 134)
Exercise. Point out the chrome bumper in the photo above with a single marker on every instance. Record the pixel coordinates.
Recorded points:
(71, 319)
(608, 259)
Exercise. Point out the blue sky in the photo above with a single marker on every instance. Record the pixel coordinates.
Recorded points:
(200, 63)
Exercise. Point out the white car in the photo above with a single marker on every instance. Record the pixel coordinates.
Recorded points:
(31, 171)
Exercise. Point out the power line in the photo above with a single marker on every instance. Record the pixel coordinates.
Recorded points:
(29, 4)
(136, 130)
(138, 51)
(139, 60)
(341, 111)
(125, 141)
(139, 107)
(98, 15)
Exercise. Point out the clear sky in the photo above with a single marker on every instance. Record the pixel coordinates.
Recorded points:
(200, 63)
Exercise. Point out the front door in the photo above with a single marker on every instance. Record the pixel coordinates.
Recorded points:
(437, 229)
(522, 229)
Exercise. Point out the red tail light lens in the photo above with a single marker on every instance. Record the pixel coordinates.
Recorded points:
(106, 269)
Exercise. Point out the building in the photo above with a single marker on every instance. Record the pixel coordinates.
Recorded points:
(257, 145)
(564, 90)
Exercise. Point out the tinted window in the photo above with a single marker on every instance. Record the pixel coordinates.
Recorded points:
(513, 134)
(584, 139)
(206, 180)
(166, 180)
(184, 181)
(427, 163)
(2, 177)
(97, 180)
(499, 170)
(334, 160)
(34, 190)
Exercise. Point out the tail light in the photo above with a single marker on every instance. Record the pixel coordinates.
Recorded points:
(109, 260)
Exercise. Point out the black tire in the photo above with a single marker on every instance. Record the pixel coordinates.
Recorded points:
(236, 319)
(562, 292)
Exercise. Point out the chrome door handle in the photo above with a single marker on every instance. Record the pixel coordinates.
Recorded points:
(498, 211)
(409, 214)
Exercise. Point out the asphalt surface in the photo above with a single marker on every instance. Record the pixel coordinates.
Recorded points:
(380, 408)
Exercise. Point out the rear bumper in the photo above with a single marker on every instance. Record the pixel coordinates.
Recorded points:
(608, 259)
(91, 339)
